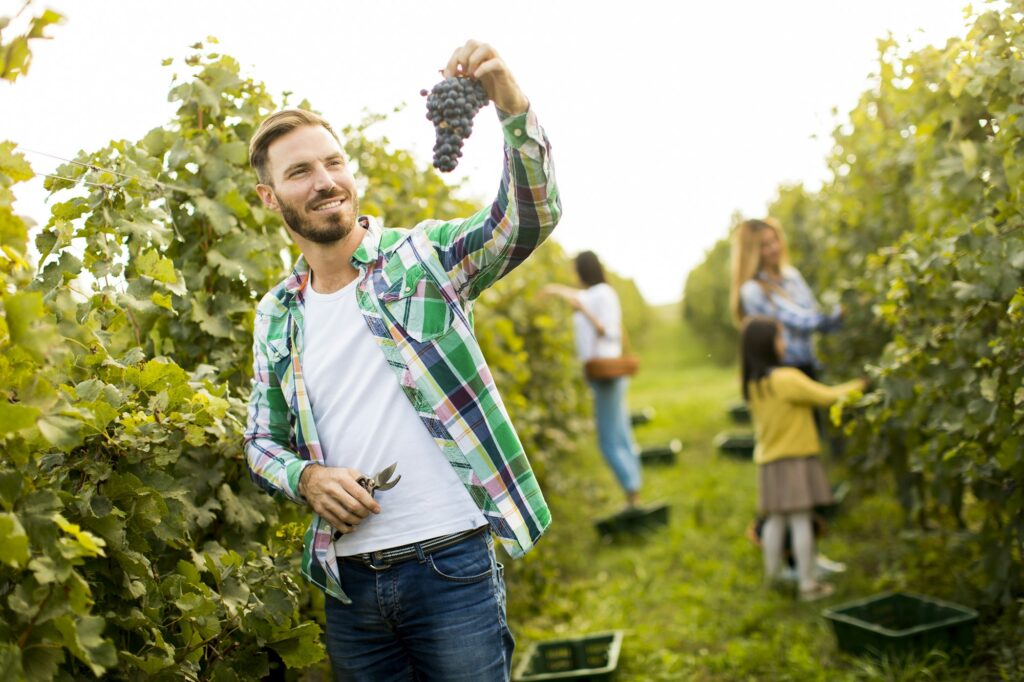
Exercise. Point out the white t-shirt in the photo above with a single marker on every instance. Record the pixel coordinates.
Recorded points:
(603, 303)
(364, 421)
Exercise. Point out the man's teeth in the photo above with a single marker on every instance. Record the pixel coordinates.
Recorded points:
(331, 204)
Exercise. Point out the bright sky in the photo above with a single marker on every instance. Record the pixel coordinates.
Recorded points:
(664, 117)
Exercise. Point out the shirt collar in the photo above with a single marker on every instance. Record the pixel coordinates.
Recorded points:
(765, 277)
(369, 249)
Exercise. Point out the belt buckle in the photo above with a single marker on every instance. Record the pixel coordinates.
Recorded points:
(374, 557)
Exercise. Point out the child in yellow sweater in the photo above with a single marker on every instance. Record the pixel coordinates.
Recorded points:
(791, 479)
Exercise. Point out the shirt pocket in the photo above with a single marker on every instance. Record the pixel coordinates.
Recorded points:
(280, 357)
(416, 304)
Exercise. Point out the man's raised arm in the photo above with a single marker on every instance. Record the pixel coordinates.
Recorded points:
(481, 249)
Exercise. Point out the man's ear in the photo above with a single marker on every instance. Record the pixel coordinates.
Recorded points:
(267, 195)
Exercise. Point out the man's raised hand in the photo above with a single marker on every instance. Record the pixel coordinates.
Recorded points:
(481, 61)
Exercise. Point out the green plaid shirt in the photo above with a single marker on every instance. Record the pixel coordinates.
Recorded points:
(416, 290)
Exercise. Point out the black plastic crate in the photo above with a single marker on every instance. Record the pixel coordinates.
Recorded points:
(739, 413)
(739, 445)
(661, 454)
(643, 416)
(593, 658)
(634, 521)
(897, 624)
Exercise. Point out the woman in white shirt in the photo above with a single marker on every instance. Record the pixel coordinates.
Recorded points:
(598, 332)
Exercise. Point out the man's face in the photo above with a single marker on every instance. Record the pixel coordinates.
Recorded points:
(311, 185)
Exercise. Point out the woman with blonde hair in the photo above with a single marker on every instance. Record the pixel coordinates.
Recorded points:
(764, 283)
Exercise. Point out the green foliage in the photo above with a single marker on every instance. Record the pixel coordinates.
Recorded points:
(138, 544)
(176, 215)
(16, 53)
(706, 303)
(636, 315)
(921, 233)
(121, 548)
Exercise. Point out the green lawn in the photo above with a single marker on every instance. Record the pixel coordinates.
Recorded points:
(690, 597)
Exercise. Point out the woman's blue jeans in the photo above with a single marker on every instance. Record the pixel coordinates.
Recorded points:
(615, 432)
(440, 618)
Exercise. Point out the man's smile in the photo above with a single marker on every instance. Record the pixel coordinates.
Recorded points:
(328, 205)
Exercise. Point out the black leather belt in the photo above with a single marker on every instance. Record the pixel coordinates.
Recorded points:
(386, 558)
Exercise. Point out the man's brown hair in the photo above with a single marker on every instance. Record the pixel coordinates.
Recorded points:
(277, 125)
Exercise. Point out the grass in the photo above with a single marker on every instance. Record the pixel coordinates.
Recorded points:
(690, 596)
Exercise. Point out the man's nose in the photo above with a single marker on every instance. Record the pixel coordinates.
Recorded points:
(322, 180)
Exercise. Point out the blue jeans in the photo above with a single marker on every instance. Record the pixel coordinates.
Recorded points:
(615, 432)
(440, 617)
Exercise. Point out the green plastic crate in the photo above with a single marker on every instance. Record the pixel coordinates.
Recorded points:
(635, 521)
(661, 454)
(739, 413)
(593, 658)
(643, 416)
(739, 445)
(896, 624)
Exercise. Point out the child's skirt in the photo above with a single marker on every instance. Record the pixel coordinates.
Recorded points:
(792, 484)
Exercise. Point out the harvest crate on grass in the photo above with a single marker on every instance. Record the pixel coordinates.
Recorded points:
(661, 454)
(740, 445)
(643, 416)
(739, 413)
(640, 519)
(592, 658)
(900, 623)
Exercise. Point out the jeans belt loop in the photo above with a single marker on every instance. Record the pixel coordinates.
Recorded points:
(420, 555)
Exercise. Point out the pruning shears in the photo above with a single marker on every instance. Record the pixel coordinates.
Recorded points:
(381, 481)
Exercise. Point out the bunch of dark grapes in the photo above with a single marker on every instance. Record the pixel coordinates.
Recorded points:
(451, 106)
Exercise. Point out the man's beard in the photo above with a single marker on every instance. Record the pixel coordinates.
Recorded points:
(337, 227)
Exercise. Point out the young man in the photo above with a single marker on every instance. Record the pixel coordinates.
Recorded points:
(365, 356)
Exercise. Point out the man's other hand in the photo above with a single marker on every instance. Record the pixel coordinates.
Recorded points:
(333, 493)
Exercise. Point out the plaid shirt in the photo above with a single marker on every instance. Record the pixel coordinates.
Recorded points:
(797, 310)
(416, 290)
